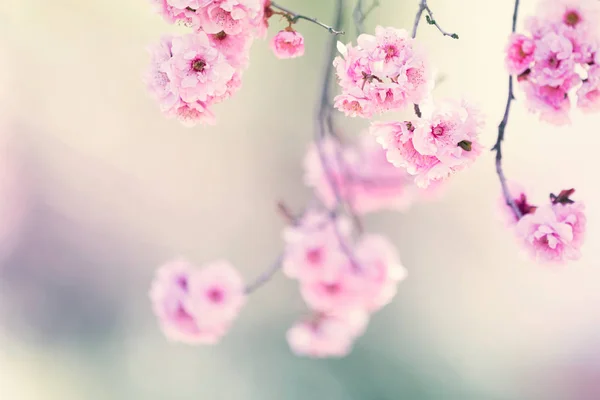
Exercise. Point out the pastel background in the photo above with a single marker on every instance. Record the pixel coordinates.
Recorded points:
(97, 189)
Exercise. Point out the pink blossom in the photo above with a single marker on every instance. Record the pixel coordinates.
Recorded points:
(340, 290)
(546, 237)
(326, 335)
(449, 132)
(397, 139)
(554, 63)
(383, 72)
(573, 14)
(231, 16)
(588, 95)
(362, 175)
(367, 281)
(235, 48)
(553, 103)
(380, 271)
(313, 246)
(433, 147)
(179, 10)
(171, 304)
(519, 54)
(167, 92)
(573, 215)
(216, 294)
(198, 69)
(288, 44)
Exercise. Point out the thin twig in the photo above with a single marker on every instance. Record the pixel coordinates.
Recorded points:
(360, 15)
(501, 128)
(294, 17)
(423, 6)
(265, 276)
(323, 118)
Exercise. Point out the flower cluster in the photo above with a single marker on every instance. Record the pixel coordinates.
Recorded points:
(189, 74)
(197, 306)
(435, 146)
(558, 60)
(552, 232)
(364, 178)
(342, 281)
(382, 73)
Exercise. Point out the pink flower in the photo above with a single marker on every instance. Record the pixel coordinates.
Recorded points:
(546, 237)
(235, 48)
(216, 294)
(382, 73)
(198, 69)
(519, 54)
(434, 147)
(179, 10)
(362, 175)
(588, 95)
(573, 215)
(167, 92)
(339, 291)
(288, 44)
(313, 246)
(573, 14)
(326, 335)
(554, 63)
(449, 132)
(231, 16)
(380, 271)
(397, 139)
(170, 302)
(552, 103)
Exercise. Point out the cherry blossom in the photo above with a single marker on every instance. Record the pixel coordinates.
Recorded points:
(288, 44)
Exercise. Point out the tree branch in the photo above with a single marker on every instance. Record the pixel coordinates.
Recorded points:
(501, 129)
(423, 6)
(294, 17)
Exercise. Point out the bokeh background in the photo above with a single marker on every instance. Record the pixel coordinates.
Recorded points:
(97, 188)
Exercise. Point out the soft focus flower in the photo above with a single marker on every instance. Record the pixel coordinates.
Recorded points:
(313, 246)
(364, 178)
(326, 335)
(383, 72)
(216, 294)
(573, 215)
(288, 44)
(546, 237)
(196, 306)
(519, 54)
(588, 95)
(573, 14)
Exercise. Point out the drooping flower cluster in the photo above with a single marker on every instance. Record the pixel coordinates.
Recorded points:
(363, 176)
(557, 61)
(553, 232)
(434, 146)
(341, 280)
(197, 306)
(189, 74)
(382, 73)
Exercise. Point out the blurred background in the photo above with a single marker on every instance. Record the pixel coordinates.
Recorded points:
(97, 189)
